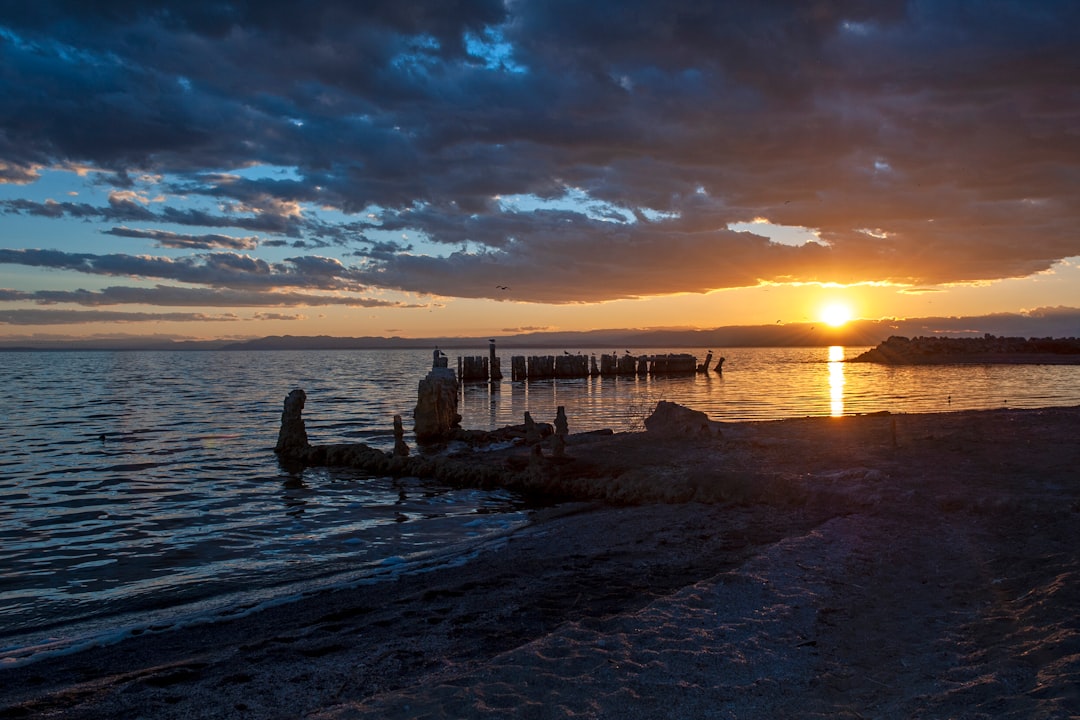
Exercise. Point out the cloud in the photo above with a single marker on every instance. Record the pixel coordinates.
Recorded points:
(223, 270)
(1058, 321)
(927, 143)
(165, 238)
(17, 175)
(125, 209)
(277, 316)
(528, 329)
(173, 296)
(78, 317)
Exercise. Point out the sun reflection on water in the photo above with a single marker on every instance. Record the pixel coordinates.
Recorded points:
(836, 380)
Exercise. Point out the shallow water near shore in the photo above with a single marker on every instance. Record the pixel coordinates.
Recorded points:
(140, 488)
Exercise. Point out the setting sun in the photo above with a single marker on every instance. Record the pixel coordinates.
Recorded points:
(835, 314)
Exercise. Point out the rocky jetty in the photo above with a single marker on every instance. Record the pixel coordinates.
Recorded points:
(899, 350)
(543, 461)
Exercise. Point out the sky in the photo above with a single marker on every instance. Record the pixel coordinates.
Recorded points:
(236, 169)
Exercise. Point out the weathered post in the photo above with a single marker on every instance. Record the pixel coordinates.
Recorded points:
(493, 362)
(436, 414)
(541, 366)
(609, 365)
(532, 433)
(517, 368)
(472, 368)
(400, 448)
(292, 437)
(562, 429)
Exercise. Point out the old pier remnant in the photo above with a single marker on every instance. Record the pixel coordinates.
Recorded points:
(544, 367)
(479, 368)
(541, 470)
(436, 416)
(292, 436)
(400, 448)
(493, 360)
(562, 429)
(473, 368)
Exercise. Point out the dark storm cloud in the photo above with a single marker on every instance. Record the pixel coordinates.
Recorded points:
(127, 210)
(172, 296)
(223, 270)
(79, 317)
(927, 142)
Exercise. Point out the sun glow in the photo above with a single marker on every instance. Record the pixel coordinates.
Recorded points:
(836, 314)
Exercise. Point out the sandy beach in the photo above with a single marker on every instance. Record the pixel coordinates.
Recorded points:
(861, 567)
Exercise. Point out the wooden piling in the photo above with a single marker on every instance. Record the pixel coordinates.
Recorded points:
(472, 369)
(546, 367)
(517, 368)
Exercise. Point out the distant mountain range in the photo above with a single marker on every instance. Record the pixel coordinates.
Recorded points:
(1046, 322)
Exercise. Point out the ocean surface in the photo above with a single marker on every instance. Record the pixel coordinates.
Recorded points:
(140, 490)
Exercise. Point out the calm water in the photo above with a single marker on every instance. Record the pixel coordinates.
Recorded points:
(140, 488)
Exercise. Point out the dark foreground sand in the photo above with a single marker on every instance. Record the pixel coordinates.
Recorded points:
(878, 566)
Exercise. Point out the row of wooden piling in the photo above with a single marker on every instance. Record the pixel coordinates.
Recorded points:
(543, 367)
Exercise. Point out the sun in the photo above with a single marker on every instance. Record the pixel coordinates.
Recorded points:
(835, 314)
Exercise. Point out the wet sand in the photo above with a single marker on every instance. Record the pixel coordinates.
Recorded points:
(874, 566)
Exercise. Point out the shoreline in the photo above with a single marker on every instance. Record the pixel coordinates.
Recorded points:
(888, 565)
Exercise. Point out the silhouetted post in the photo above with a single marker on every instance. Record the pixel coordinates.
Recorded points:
(517, 368)
(562, 429)
(532, 433)
(719, 366)
(292, 437)
(400, 448)
(493, 362)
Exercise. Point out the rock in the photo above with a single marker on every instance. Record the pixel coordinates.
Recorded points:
(673, 420)
(436, 414)
(400, 448)
(292, 437)
(562, 429)
(532, 432)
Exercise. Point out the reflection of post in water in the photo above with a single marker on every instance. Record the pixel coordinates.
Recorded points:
(836, 380)
(293, 496)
